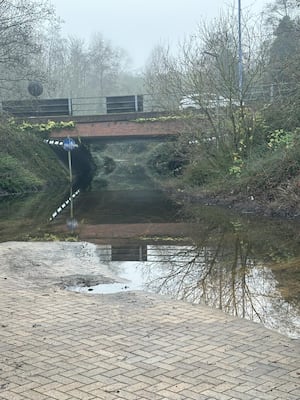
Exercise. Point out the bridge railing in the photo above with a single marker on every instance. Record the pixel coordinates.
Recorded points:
(117, 104)
(37, 107)
(87, 106)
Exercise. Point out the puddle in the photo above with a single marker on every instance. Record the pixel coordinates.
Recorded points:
(105, 288)
(136, 275)
(249, 290)
(132, 274)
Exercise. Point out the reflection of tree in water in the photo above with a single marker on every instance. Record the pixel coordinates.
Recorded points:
(225, 276)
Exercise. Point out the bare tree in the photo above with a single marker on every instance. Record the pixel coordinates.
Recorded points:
(163, 79)
(205, 71)
(77, 67)
(20, 25)
(70, 67)
(50, 64)
(105, 64)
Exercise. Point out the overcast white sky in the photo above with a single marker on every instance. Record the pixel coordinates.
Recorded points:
(138, 25)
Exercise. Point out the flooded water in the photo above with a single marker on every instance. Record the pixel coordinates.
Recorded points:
(246, 266)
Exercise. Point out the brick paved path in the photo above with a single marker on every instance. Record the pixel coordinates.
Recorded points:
(62, 345)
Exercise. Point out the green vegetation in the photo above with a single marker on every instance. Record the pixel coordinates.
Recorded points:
(26, 163)
(43, 128)
(164, 118)
(238, 143)
(263, 165)
(246, 147)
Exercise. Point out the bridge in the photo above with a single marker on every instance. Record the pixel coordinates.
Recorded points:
(108, 118)
(141, 125)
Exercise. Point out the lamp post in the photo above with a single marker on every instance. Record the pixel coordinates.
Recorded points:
(240, 51)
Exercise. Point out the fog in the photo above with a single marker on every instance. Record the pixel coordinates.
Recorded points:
(139, 25)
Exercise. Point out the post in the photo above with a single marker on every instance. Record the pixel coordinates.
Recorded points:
(69, 145)
(71, 183)
(70, 108)
(240, 60)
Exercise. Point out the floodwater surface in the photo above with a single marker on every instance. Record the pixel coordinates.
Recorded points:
(244, 265)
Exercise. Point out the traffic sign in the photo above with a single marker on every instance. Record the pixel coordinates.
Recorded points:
(69, 144)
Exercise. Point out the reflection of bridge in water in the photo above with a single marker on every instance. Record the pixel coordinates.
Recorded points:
(124, 235)
(145, 252)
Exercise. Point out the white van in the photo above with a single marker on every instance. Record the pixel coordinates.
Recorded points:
(205, 100)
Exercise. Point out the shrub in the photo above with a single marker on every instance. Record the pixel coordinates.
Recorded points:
(25, 161)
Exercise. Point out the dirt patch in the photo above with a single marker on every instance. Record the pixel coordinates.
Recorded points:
(84, 280)
(54, 263)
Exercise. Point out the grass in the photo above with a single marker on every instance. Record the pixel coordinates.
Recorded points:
(26, 163)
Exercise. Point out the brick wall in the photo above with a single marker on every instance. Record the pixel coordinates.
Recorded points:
(119, 129)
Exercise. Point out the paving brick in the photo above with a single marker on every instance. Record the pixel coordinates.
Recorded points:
(24, 388)
(145, 395)
(58, 345)
(216, 395)
(170, 395)
(78, 394)
(11, 395)
(192, 395)
(55, 394)
(33, 395)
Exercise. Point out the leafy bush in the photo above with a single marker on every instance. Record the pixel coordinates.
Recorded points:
(277, 166)
(25, 161)
(12, 175)
(166, 160)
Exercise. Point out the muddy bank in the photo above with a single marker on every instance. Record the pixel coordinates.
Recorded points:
(245, 204)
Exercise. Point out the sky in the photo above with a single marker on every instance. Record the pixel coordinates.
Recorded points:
(139, 25)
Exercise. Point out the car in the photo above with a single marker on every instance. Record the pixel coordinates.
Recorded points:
(205, 100)
(190, 102)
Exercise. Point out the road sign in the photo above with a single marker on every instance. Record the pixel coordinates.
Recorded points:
(69, 144)
(35, 88)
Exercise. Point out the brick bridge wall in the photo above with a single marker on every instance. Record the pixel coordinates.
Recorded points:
(114, 127)
(119, 129)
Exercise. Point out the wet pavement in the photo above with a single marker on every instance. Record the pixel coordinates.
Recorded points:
(57, 344)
